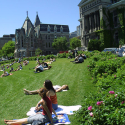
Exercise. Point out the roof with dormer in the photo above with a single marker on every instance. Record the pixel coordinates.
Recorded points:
(27, 25)
(43, 27)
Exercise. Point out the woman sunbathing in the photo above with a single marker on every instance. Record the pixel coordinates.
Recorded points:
(42, 117)
(56, 87)
(6, 74)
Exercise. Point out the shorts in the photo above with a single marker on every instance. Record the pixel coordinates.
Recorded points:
(54, 106)
(38, 117)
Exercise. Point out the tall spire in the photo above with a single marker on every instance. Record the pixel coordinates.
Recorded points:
(37, 20)
(27, 25)
(27, 13)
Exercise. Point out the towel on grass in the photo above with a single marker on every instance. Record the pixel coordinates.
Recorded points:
(61, 109)
(62, 119)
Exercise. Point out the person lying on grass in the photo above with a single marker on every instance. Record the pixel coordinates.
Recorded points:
(51, 93)
(6, 74)
(56, 87)
(42, 117)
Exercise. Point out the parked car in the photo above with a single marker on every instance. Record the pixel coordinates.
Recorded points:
(113, 50)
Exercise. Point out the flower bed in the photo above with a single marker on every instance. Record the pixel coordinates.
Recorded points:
(107, 105)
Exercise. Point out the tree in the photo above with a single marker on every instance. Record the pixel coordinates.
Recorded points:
(60, 43)
(38, 52)
(8, 48)
(95, 44)
(0, 53)
(75, 42)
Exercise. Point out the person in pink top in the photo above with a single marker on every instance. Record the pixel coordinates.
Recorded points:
(42, 117)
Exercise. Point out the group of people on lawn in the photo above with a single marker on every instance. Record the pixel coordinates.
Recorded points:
(5, 73)
(48, 104)
(43, 66)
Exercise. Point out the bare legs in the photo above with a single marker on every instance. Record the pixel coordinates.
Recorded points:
(64, 87)
(19, 121)
(27, 92)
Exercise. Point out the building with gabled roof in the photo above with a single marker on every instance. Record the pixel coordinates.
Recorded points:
(30, 37)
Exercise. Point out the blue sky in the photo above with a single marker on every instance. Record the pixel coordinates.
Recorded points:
(13, 13)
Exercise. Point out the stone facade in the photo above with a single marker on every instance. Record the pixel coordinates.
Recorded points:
(91, 13)
(78, 30)
(6, 38)
(73, 34)
(30, 37)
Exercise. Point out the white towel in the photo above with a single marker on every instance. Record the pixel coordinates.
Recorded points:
(61, 109)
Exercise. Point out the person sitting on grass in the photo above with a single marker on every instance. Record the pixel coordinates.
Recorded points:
(84, 56)
(11, 69)
(41, 117)
(6, 74)
(51, 93)
(45, 65)
(80, 59)
(19, 67)
(40, 68)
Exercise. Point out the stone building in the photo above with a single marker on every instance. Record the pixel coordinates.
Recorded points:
(73, 34)
(40, 35)
(6, 38)
(78, 30)
(91, 14)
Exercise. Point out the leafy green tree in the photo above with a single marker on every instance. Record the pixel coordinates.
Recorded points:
(121, 42)
(60, 43)
(38, 52)
(8, 48)
(95, 44)
(75, 42)
(1, 53)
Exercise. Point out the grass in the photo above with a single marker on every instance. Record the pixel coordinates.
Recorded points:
(14, 104)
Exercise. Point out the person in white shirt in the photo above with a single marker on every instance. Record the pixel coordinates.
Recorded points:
(120, 51)
(40, 68)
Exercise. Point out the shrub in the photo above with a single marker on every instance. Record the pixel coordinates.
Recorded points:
(102, 109)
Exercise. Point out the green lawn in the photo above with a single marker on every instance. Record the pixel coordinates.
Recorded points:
(14, 104)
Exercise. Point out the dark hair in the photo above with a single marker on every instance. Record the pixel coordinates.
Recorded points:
(49, 85)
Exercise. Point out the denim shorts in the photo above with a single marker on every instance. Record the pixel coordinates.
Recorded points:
(54, 106)
(38, 117)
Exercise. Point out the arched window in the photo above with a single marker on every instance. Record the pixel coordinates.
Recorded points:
(31, 40)
(61, 29)
(46, 45)
(49, 44)
(49, 37)
(48, 29)
(55, 28)
(22, 41)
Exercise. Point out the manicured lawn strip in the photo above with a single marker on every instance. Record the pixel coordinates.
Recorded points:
(15, 104)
